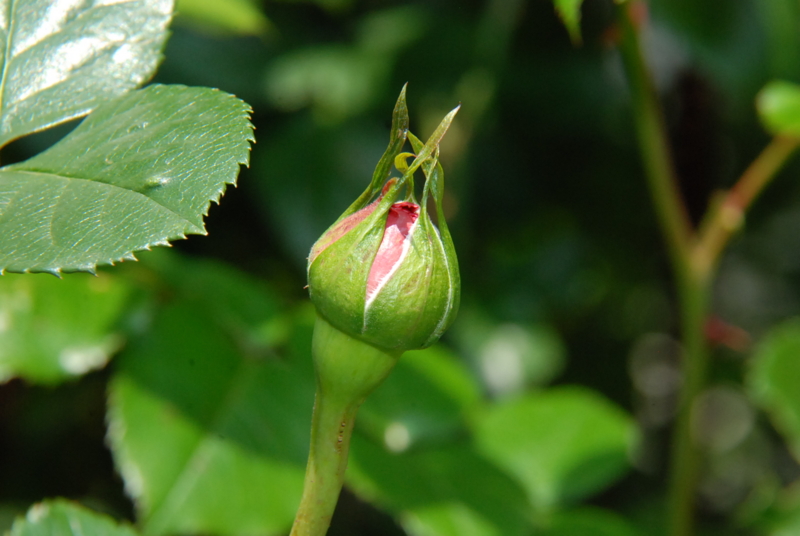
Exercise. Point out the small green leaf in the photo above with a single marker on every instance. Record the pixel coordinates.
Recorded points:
(778, 105)
(238, 17)
(570, 13)
(54, 329)
(773, 380)
(60, 59)
(562, 444)
(209, 429)
(64, 518)
(139, 171)
(337, 81)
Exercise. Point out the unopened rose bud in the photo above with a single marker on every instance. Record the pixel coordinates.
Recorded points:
(384, 280)
(384, 273)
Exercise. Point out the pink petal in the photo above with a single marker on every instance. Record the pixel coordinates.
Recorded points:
(341, 229)
(394, 245)
(344, 226)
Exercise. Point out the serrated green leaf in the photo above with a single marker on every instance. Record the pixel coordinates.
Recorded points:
(55, 329)
(138, 172)
(773, 379)
(561, 444)
(210, 434)
(570, 13)
(778, 105)
(61, 59)
(65, 518)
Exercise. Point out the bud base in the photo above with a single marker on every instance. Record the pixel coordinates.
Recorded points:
(347, 371)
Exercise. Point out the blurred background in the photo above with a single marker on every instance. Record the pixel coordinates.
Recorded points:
(547, 405)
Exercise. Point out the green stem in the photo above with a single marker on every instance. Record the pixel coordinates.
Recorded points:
(693, 255)
(721, 221)
(654, 146)
(693, 285)
(726, 216)
(347, 371)
(331, 428)
(694, 293)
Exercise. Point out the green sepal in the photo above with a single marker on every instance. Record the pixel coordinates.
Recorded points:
(412, 304)
(434, 183)
(342, 269)
(397, 139)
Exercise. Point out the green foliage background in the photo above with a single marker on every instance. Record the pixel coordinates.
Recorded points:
(547, 406)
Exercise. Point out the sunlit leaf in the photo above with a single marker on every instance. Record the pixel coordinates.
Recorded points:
(141, 170)
(60, 59)
(779, 108)
(561, 444)
(64, 518)
(210, 429)
(773, 380)
(54, 329)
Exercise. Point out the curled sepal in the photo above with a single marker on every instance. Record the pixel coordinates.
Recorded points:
(338, 267)
(397, 139)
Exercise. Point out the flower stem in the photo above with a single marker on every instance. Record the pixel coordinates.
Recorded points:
(331, 428)
(693, 254)
(347, 371)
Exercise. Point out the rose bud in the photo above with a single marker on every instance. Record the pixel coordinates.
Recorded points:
(383, 273)
(384, 280)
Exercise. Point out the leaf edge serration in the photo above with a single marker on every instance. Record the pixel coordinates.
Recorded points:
(240, 151)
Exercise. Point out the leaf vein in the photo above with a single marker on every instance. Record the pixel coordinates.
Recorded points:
(6, 58)
(110, 187)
